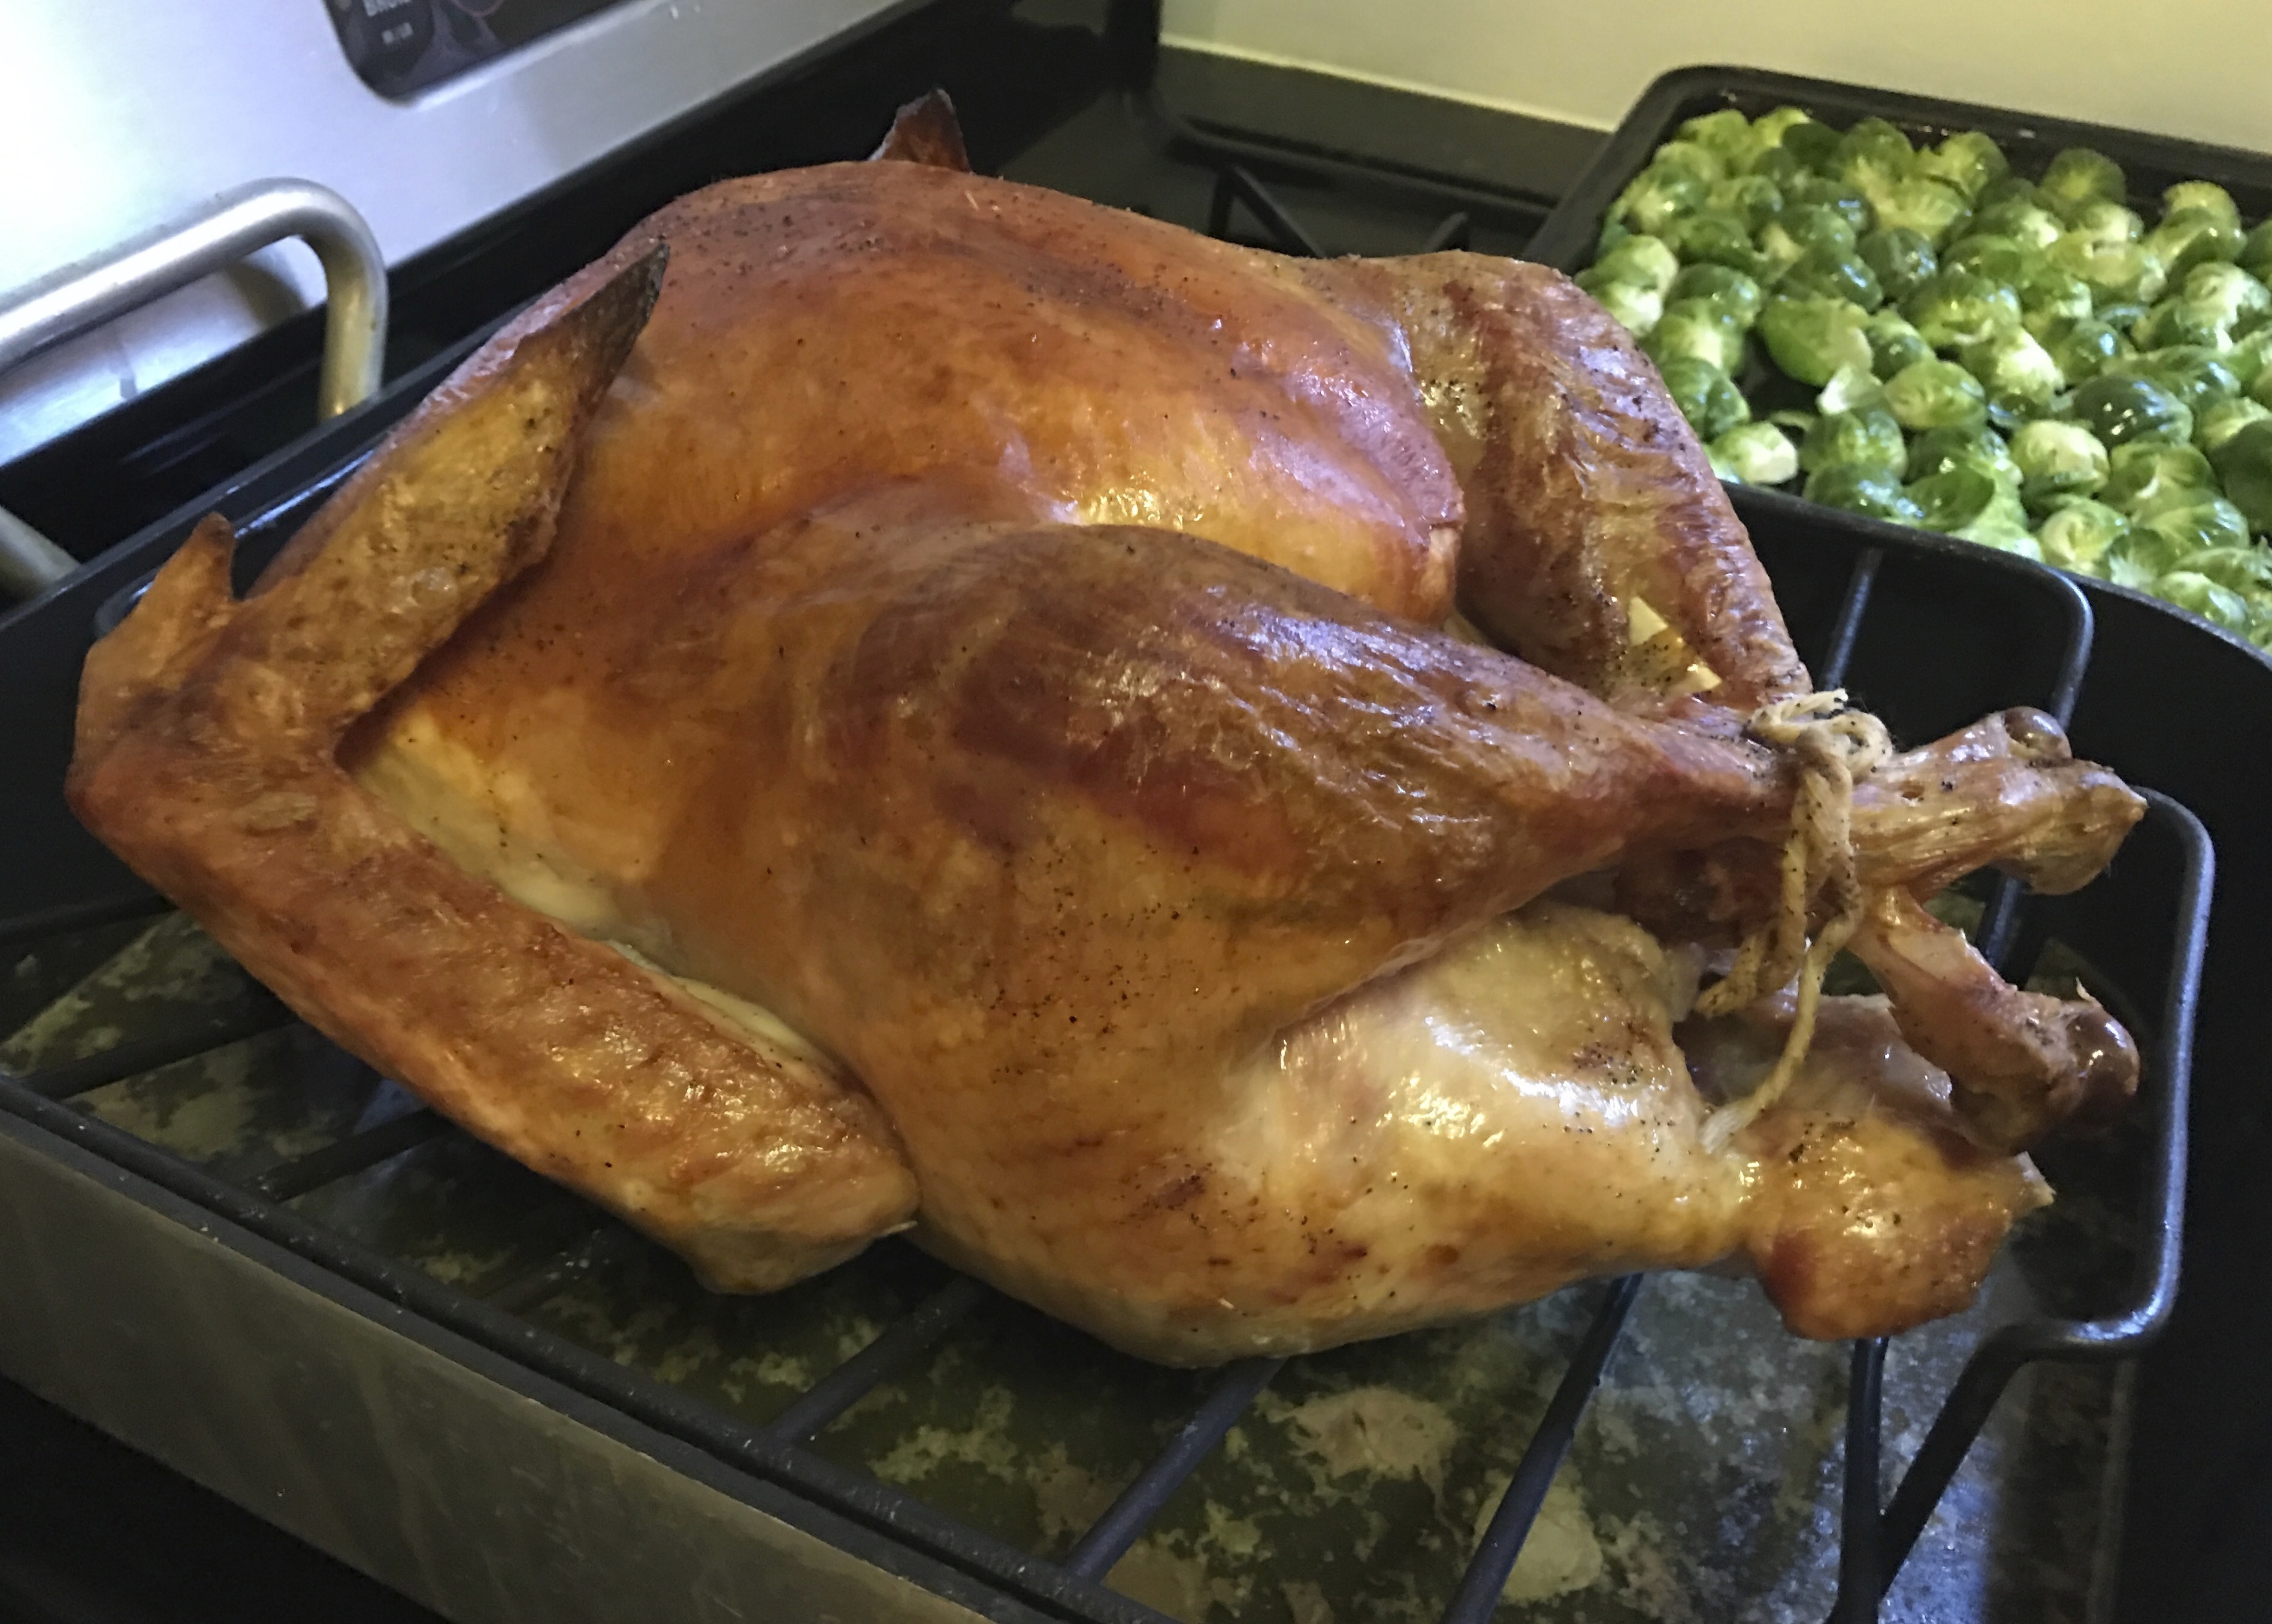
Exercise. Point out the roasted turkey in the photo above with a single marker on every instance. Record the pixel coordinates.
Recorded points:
(1204, 783)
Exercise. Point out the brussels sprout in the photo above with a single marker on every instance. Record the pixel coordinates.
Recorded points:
(2106, 224)
(1707, 396)
(1998, 258)
(1967, 503)
(1690, 158)
(1753, 199)
(1932, 209)
(2214, 427)
(2050, 298)
(1634, 308)
(2256, 252)
(2246, 570)
(1820, 191)
(2193, 236)
(1812, 337)
(1641, 259)
(1770, 127)
(1894, 343)
(1870, 155)
(1937, 451)
(1788, 237)
(2122, 315)
(2243, 304)
(2012, 189)
(2120, 409)
(2261, 391)
(1900, 258)
(2249, 357)
(1832, 275)
(1812, 143)
(1754, 454)
(1726, 132)
(1695, 328)
(1658, 196)
(2080, 175)
(2210, 522)
(1775, 164)
(1956, 308)
(2145, 476)
(2017, 373)
(1867, 491)
(2077, 533)
(2244, 463)
(1728, 291)
(2082, 349)
(1968, 161)
(2219, 605)
(1712, 238)
(2117, 271)
(2022, 219)
(1936, 395)
(2181, 321)
(2201, 195)
(1851, 388)
(1867, 439)
(2191, 372)
(2057, 459)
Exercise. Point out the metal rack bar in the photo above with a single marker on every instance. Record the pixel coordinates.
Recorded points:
(530, 1287)
(145, 1054)
(1477, 1597)
(1458, 231)
(1846, 629)
(890, 1352)
(1858, 1584)
(1124, 1521)
(1236, 181)
(287, 1180)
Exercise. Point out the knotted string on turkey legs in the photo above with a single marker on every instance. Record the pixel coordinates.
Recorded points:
(1832, 747)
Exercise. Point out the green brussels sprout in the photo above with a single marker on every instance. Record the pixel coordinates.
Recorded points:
(1635, 309)
(2192, 372)
(1644, 260)
(2122, 315)
(1754, 454)
(2022, 219)
(1776, 164)
(1956, 308)
(2218, 604)
(1787, 237)
(2249, 356)
(1851, 388)
(1707, 396)
(2080, 175)
(2181, 321)
(2193, 236)
(1936, 395)
(2077, 533)
(2244, 464)
(1695, 328)
(1998, 258)
(1812, 337)
(2214, 427)
(1770, 127)
(1753, 199)
(1933, 209)
(2117, 273)
(2261, 391)
(2050, 299)
(1937, 451)
(2107, 224)
(1810, 142)
(2057, 459)
(1867, 491)
(1967, 503)
(1613, 232)
(1821, 191)
(2148, 475)
(1968, 161)
(1872, 154)
(1711, 238)
(1727, 290)
(2201, 195)
(2120, 409)
(2017, 373)
(1726, 132)
(2082, 349)
(2243, 304)
(2256, 252)
(1829, 274)
(1900, 258)
(2014, 189)
(1658, 196)
(1894, 342)
(1868, 439)
(2212, 521)
(1690, 158)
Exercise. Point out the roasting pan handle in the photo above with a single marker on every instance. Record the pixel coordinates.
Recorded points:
(232, 226)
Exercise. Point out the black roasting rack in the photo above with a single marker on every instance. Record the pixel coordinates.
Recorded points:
(1858, 596)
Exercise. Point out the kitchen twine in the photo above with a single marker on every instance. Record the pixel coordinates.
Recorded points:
(1833, 746)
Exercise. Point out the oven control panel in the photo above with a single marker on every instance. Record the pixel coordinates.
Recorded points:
(398, 46)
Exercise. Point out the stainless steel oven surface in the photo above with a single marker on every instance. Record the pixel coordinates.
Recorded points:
(247, 1255)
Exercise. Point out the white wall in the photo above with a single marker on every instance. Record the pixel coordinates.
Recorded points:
(2200, 67)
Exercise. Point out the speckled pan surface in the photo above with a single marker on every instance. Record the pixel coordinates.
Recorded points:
(1703, 1484)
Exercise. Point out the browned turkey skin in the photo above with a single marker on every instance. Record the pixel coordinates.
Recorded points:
(997, 638)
